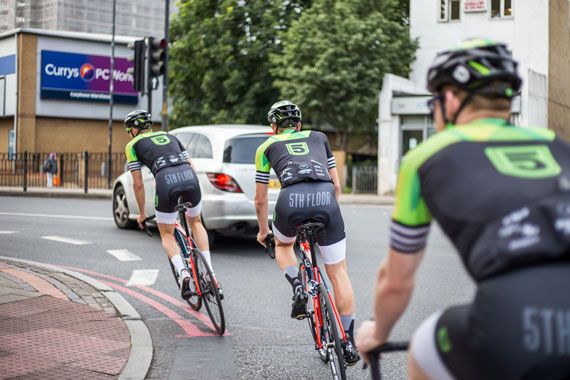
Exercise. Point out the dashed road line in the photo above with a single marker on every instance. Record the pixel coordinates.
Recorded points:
(62, 239)
(145, 277)
(84, 217)
(124, 255)
(8, 232)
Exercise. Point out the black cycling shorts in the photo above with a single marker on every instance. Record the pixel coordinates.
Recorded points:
(308, 201)
(518, 327)
(173, 182)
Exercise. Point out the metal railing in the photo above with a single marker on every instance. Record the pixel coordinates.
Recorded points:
(364, 179)
(83, 170)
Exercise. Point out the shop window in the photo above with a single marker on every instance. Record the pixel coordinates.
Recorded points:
(501, 8)
(449, 10)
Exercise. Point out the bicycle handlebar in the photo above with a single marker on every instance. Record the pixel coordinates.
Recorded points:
(374, 356)
(270, 246)
(144, 227)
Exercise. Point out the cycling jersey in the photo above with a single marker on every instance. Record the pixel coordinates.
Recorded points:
(500, 193)
(156, 150)
(295, 157)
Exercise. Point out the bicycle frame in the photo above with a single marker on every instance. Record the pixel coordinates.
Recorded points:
(314, 278)
(189, 243)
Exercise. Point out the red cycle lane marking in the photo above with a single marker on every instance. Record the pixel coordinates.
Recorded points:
(190, 329)
(204, 319)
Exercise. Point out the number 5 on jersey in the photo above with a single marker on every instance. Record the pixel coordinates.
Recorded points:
(298, 148)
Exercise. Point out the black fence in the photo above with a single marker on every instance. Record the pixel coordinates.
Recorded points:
(74, 170)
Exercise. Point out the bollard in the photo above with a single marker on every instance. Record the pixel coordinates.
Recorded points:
(25, 185)
(86, 171)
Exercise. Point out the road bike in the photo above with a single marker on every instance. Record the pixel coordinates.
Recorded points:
(374, 356)
(321, 314)
(204, 287)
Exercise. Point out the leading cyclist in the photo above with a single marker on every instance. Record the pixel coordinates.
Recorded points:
(501, 193)
(307, 171)
(175, 177)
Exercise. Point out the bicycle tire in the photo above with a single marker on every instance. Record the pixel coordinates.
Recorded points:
(312, 315)
(195, 302)
(336, 355)
(210, 293)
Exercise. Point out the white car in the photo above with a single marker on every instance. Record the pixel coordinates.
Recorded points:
(224, 157)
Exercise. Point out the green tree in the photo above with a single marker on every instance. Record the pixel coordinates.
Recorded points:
(219, 58)
(335, 57)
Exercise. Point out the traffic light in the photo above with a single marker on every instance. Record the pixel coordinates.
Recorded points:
(156, 57)
(139, 63)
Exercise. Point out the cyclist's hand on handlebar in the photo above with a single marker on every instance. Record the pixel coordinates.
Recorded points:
(141, 220)
(366, 340)
(261, 236)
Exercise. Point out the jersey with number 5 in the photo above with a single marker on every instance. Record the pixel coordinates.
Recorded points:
(498, 191)
(156, 150)
(296, 157)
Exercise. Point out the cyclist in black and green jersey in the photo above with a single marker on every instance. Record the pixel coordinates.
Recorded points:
(306, 168)
(175, 177)
(501, 193)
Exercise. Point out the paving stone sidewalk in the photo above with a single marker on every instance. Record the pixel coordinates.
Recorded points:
(54, 326)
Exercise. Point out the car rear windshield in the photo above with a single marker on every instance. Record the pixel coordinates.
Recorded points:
(241, 149)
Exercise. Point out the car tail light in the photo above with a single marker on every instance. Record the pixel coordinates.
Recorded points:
(224, 182)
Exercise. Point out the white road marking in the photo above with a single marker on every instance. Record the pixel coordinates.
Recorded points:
(143, 277)
(66, 240)
(8, 232)
(102, 218)
(124, 255)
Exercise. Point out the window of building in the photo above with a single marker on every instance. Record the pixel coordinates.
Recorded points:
(501, 8)
(449, 10)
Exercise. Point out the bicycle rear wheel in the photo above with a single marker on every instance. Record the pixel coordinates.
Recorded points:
(331, 335)
(210, 293)
(195, 301)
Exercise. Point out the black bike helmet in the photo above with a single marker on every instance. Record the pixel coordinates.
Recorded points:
(139, 119)
(473, 66)
(282, 111)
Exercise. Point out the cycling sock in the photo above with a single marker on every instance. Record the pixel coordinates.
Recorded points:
(292, 275)
(178, 263)
(347, 322)
(208, 258)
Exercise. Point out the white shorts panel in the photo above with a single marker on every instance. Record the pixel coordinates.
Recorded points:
(166, 217)
(282, 238)
(194, 211)
(334, 253)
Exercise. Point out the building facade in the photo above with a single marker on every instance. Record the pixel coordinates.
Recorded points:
(133, 17)
(535, 31)
(54, 91)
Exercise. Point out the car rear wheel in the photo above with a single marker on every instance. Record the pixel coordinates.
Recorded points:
(121, 209)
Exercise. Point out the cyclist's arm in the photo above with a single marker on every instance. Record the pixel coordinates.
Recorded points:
(333, 172)
(261, 207)
(394, 286)
(138, 186)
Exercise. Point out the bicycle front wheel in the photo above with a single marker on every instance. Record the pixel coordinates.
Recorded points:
(332, 336)
(210, 293)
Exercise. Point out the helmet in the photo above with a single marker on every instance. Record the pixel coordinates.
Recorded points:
(473, 66)
(282, 111)
(139, 119)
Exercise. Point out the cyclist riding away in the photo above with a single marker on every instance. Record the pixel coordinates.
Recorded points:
(175, 177)
(501, 194)
(307, 171)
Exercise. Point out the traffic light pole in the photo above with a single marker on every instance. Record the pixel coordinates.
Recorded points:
(164, 113)
(149, 77)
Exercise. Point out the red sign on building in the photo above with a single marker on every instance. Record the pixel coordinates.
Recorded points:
(475, 5)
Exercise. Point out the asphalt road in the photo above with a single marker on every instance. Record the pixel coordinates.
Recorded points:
(263, 342)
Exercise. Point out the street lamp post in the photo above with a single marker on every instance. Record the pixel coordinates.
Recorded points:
(164, 112)
(111, 100)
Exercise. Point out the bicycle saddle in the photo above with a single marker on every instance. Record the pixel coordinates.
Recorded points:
(309, 221)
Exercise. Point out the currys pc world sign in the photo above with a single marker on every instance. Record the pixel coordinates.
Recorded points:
(85, 77)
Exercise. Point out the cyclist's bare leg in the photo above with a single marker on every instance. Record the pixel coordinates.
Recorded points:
(343, 293)
(168, 241)
(284, 254)
(198, 232)
(414, 370)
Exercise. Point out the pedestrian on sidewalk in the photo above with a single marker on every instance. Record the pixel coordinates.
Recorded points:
(50, 168)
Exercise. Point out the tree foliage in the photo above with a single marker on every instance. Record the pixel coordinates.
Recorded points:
(334, 59)
(219, 58)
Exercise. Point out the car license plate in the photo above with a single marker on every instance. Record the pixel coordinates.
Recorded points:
(274, 184)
